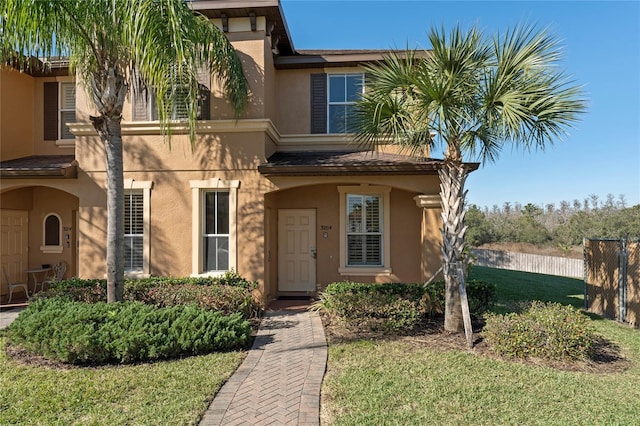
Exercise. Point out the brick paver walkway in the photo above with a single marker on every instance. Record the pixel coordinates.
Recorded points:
(279, 381)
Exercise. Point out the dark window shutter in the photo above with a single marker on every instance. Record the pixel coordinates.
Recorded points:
(319, 103)
(204, 101)
(50, 111)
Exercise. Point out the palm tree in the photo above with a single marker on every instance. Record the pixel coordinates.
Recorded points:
(472, 94)
(112, 45)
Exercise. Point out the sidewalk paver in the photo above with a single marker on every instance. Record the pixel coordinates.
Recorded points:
(279, 381)
(8, 315)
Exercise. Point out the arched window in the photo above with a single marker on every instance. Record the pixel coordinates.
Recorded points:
(52, 234)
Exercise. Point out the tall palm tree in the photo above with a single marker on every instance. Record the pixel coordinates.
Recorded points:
(111, 45)
(472, 94)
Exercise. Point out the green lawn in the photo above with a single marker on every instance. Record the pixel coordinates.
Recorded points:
(164, 393)
(382, 382)
(514, 288)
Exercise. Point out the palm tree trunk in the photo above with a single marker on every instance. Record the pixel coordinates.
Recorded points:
(109, 91)
(453, 175)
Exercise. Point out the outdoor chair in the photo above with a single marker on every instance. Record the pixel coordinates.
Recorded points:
(58, 274)
(12, 286)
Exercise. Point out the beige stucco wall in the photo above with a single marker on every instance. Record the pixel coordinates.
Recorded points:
(405, 234)
(251, 47)
(17, 112)
(171, 223)
(293, 112)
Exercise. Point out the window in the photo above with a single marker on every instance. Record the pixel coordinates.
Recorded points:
(214, 231)
(215, 236)
(134, 231)
(51, 234)
(145, 105)
(137, 228)
(59, 109)
(364, 230)
(343, 92)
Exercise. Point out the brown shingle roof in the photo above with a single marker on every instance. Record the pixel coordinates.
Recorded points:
(40, 166)
(336, 163)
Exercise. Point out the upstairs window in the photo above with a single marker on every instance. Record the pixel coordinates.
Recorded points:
(333, 97)
(59, 109)
(344, 90)
(145, 104)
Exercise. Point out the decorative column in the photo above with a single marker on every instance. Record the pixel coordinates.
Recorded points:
(430, 234)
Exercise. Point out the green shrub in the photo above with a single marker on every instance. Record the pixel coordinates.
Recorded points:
(549, 331)
(222, 298)
(394, 306)
(228, 293)
(99, 333)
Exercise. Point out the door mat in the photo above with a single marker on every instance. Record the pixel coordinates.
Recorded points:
(293, 298)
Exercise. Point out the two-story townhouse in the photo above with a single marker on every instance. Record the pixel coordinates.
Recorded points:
(282, 194)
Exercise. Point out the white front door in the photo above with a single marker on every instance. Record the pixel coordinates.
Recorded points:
(296, 250)
(14, 244)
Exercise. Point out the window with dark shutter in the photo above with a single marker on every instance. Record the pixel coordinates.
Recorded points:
(51, 111)
(145, 107)
(319, 103)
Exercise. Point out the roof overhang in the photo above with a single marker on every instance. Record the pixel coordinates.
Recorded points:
(40, 167)
(335, 58)
(35, 67)
(270, 9)
(334, 163)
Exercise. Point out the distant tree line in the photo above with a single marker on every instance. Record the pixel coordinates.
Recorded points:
(563, 225)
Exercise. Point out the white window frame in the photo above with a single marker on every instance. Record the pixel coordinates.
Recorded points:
(347, 103)
(384, 193)
(51, 248)
(198, 189)
(203, 225)
(145, 187)
(129, 193)
(65, 142)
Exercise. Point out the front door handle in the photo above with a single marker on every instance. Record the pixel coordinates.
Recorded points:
(314, 253)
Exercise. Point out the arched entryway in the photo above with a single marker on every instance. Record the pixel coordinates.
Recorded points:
(39, 227)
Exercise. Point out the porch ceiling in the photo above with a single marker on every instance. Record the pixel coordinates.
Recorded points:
(336, 163)
(40, 167)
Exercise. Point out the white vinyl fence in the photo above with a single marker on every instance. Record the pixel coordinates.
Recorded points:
(535, 263)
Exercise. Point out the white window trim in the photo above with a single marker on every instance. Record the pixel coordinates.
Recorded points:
(44, 247)
(329, 103)
(145, 186)
(64, 143)
(198, 187)
(385, 269)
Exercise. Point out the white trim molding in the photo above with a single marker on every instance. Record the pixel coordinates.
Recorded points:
(198, 187)
(51, 248)
(145, 186)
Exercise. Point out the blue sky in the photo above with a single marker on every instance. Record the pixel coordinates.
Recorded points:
(601, 41)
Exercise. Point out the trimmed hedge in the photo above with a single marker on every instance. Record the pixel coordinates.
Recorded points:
(395, 306)
(548, 331)
(228, 294)
(127, 332)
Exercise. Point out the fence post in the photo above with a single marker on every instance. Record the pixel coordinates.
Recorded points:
(622, 280)
(585, 273)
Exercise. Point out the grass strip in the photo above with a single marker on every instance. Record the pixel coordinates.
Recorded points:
(174, 392)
